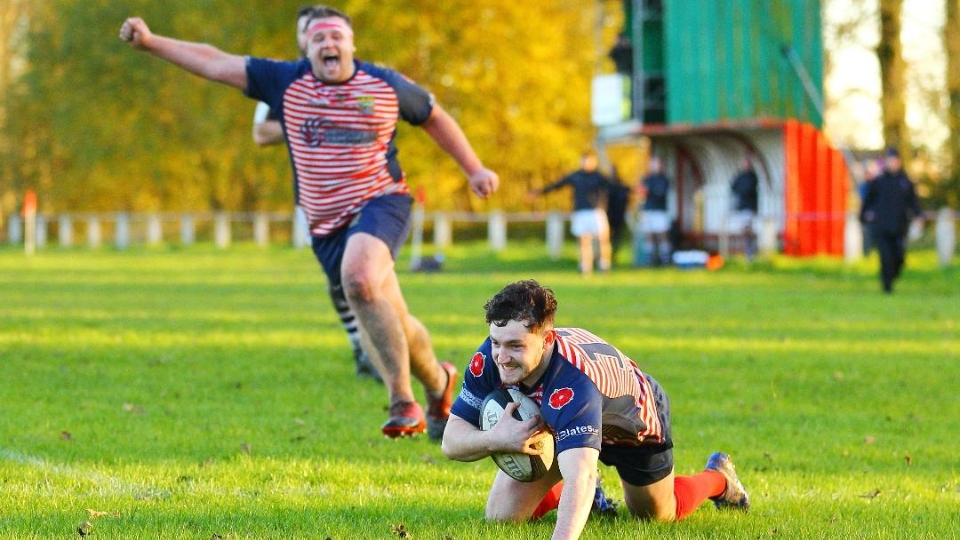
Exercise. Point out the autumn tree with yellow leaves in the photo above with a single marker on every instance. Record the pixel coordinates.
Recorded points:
(93, 126)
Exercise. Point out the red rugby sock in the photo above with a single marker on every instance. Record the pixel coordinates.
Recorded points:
(696, 488)
(550, 501)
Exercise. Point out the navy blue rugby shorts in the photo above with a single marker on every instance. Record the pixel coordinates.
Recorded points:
(648, 463)
(386, 217)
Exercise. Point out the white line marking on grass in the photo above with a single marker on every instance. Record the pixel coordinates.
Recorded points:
(98, 479)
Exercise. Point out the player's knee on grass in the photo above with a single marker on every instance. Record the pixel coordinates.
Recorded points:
(655, 502)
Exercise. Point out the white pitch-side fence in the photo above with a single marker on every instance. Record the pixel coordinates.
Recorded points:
(123, 229)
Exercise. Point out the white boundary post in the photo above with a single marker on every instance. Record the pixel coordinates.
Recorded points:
(416, 236)
(497, 230)
(261, 229)
(94, 236)
(122, 232)
(65, 231)
(221, 230)
(188, 231)
(946, 236)
(154, 230)
(554, 234)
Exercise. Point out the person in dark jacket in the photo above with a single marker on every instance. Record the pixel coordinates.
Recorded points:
(745, 189)
(617, 203)
(871, 170)
(589, 219)
(889, 205)
(655, 221)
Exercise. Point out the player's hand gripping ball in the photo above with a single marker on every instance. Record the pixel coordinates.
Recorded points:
(521, 467)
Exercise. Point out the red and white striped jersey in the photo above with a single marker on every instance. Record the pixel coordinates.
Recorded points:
(340, 136)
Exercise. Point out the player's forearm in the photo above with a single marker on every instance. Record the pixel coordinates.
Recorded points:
(200, 59)
(574, 510)
(267, 133)
(464, 442)
(578, 470)
(443, 129)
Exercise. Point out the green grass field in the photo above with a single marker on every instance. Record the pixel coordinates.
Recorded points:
(198, 394)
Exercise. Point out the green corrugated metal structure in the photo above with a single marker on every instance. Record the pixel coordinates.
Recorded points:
(707, 61)
(716, 82)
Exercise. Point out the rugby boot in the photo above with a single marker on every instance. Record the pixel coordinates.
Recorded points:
(438, 409)
(734, 496)
(406, 420)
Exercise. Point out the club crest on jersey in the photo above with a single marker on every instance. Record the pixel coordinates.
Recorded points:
(476, 364)
(560, 397)
(366, 104)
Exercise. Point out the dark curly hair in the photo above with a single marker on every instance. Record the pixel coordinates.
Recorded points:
(526, 301)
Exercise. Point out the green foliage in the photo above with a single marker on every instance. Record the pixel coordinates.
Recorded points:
(101, 127)
(195, 393)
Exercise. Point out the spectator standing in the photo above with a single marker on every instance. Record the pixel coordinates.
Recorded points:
(871, 170)
(589, 222)
(622, 55)
(655, 220)
(889, 205)
(617, 203)
(744, 188)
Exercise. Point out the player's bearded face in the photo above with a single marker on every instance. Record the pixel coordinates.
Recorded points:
(517, 352)
(330, 49)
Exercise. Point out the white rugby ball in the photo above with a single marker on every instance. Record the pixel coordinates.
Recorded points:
(521, 467)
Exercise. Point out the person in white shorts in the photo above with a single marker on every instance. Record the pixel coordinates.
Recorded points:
(656, 220)
(589, 221)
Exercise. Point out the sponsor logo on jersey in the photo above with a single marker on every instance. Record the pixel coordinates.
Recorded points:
(315, 132)
(560, 397)
(470, 398)
(575, 431)
(476, 364)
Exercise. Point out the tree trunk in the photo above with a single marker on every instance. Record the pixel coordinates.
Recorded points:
(892, 77)
(9, 16)
(951, 40)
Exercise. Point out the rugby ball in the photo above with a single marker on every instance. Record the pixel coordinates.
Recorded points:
(521, 467)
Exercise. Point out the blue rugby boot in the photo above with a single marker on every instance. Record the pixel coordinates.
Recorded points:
(602, 505)
(734, 496)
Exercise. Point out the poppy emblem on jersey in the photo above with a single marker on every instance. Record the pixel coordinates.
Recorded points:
(476, 365)
(560, 397)
(366, 104)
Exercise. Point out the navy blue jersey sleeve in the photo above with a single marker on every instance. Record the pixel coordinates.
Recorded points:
(268, 79)
(479, 379)
(573, 408)
(565, 181)
(416, 104)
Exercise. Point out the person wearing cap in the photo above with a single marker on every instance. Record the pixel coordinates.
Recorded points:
(340, 117)
(889, 205)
